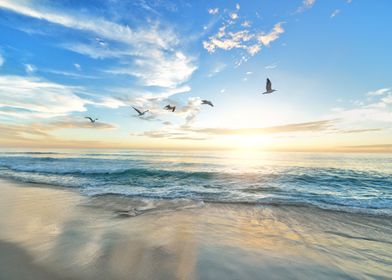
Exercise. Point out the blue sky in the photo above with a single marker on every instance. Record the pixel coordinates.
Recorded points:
(63, 60)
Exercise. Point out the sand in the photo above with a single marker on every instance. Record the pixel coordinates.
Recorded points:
(53, 233)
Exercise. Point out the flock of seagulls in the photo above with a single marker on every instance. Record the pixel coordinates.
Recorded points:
(268, 90)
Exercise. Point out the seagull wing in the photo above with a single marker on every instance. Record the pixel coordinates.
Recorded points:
(173, 108)
(91, 120)
(167, 107)
(137, 110)
(268, 86)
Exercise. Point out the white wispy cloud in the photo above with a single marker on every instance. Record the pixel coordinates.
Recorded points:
(151, 51)
(98, 26)
(77, 66)
(217, 69)
(27, 97)
(43, 98)
(335, 13)
(271, 66)
(246, 24)
(213, 11)
(306, 4)
(374, 111)
(30, 69)
(380, 91)
(160, 69)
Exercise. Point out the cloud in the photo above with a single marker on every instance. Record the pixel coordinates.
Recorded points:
(266, 39)
(160, 70)
(380, 91)
(39, 134)
(361, 130)
(44, 129)
(100, 27)
(366, 114)
(306, 4)
(67, 74)
(213, 11)
(233, 16)
(271, 66)
(191, 110)
(242, 39)
(171, 134)
(335, 13)
(380, 148)
(288, 128)
(150, 52)
(246, 24)
(27, 97)
(187, 132)
(30, 69)
(68, 123)
(77, 66)
(217, 69)
(34, 95)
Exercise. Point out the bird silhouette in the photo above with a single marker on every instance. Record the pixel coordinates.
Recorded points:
(268, 87)
(207, 102)
(170, 108)
(140, 112)
(91, 119)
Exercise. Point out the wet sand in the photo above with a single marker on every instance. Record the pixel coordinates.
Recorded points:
(52, 233)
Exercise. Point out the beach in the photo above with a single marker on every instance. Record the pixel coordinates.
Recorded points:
(54, 233)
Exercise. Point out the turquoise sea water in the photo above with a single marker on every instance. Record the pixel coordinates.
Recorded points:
(343, 182)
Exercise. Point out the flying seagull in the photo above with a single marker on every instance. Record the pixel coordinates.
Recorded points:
(139, 112)
(268, 87)
(91, 119)
(207, 102)
(170, 108)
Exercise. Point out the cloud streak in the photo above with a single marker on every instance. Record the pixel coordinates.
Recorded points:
(150, 53)
(288, 128)
(38, 96)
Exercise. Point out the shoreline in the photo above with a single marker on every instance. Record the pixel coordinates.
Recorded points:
(56, 233)
(130, 198)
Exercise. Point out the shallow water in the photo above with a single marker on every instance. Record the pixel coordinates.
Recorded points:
(344, 182)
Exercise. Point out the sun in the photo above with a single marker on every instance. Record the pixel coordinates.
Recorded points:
(250, 142)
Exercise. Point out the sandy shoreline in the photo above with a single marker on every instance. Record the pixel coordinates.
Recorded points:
(51, 233)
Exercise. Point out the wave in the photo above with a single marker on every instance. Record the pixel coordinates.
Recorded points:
(366, 190)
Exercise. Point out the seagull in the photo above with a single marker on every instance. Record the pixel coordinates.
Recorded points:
(139, 112)
(268, 87)
(170, 108)
(207, 102)
(91, 119)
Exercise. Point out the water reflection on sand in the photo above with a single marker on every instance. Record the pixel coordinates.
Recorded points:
(57, 234)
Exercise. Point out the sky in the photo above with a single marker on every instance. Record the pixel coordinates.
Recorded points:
(330, 61)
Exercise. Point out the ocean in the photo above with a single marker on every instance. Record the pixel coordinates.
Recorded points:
(341, 182)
